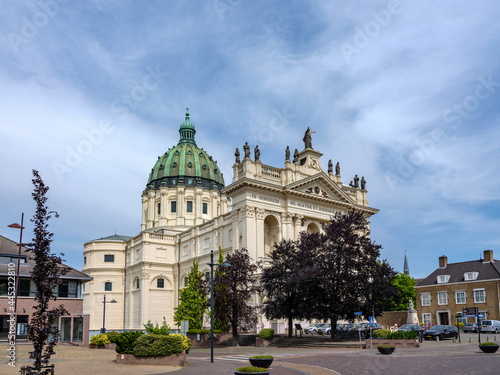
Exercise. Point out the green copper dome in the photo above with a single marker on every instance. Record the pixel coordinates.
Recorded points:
(186, 164)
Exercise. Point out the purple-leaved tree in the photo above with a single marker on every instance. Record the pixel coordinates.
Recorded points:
(46, 276)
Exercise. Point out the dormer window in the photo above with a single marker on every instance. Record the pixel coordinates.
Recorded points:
(470, 276)
(442, 279)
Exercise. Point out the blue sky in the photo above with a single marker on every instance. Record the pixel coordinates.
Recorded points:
(403, 93)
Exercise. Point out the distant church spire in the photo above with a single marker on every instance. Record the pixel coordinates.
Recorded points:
(406, 270)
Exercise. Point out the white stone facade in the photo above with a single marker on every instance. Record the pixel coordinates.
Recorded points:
(262, 205)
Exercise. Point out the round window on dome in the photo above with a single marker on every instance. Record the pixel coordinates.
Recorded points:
(176, 152)
(189, 152)
(174, 165)
(190, 165)
(215, 170)
(204, 167)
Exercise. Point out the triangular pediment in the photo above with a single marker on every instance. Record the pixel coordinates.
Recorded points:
(320, 186)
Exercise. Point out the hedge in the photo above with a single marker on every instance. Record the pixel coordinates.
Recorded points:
(154, 345)
(125, 341)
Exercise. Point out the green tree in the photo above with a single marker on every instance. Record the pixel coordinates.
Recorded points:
(192, 300)
(405, 288)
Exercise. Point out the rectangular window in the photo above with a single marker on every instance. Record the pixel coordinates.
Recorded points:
(159, 208)
(24, 288)
(189, 207)
(137, 284)
(426, 319)
(63, 290)
(173, 206)
(108, 287)
(470, 276)
(109, 258)
(443, 279)
(426, 299)
(460, 297)
(84, 260)
(479, 296)
(442, 298)
(205, 208)
(160, 283)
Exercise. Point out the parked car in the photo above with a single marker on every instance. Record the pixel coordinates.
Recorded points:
(364, 329)
(412, 327)
(441, 331)
(470, 327)
(325, 330)
(313, 328)
(490, 326)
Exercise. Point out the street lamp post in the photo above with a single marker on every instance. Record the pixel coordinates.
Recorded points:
(211, 264)
(103, 330)
(17, 226)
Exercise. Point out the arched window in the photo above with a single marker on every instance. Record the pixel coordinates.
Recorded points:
(160, 283)
(271, 232)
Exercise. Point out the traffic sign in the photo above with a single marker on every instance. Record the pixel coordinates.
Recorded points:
(371, 320)
(358, 313)
(470, 310)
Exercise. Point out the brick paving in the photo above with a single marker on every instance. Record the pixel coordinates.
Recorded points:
(432, 358)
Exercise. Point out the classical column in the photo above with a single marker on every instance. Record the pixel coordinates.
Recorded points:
(297, 221)
(248, 229)
(151, 209)
(260, 246)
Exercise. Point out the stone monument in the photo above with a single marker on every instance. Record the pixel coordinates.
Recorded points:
(412, 314)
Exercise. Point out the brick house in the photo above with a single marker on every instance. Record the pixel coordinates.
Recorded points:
(74, 328)
(453, 286)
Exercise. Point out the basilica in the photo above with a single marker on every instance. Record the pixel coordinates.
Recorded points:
(187, 211)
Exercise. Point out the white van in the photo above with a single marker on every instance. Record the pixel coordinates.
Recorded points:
(490, 326)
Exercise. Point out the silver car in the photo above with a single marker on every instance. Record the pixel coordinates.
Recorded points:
(490, 326)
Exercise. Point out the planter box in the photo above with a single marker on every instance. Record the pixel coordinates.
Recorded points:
(236, 372)
(168, 360)
(260, 342)
(398, 343)
(261, 362)
(387, 350)
(488, 348)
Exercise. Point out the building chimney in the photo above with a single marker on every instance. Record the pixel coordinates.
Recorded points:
(443, 261)
(488, 256)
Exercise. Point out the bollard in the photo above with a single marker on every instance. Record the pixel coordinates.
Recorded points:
(487, 338)
(454, 340)
(470, 340)
(437, 338)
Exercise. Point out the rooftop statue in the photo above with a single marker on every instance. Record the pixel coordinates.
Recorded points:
(246, 149)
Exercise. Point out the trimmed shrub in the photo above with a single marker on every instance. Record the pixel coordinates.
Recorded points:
(186, 343)
(111, 335)
(380, 333)
(100, 340)
(267, 333)
(262, 357)
(153, 345)
(125, 341)
(200, 331)
(402, 335)
(251, 369)
(488, 344)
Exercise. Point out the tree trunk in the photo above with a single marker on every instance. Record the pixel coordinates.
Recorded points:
(290, 326)
(333, 330)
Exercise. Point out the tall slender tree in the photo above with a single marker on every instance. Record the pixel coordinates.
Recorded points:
(46, 276)
(192, 300)
(238, 285)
